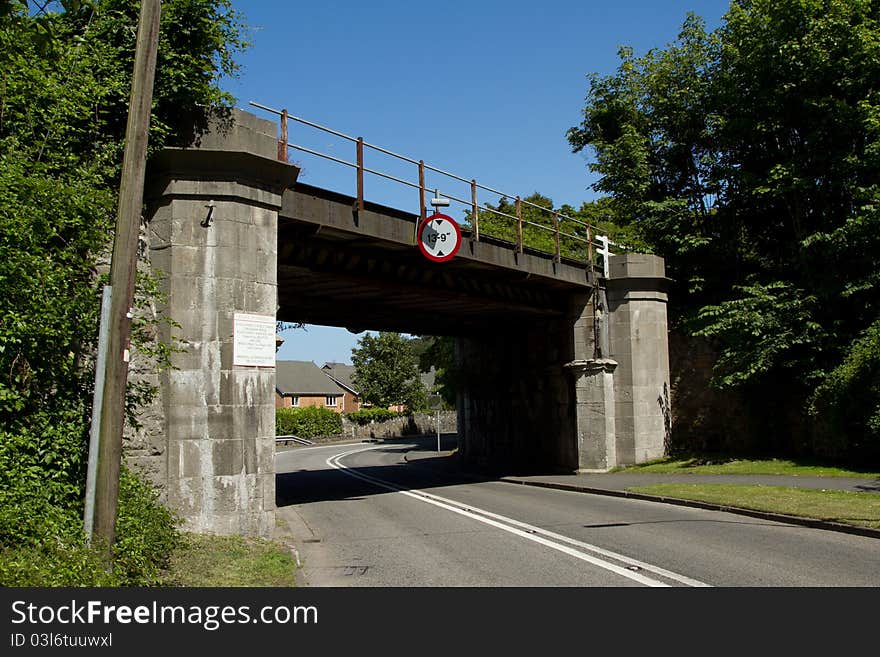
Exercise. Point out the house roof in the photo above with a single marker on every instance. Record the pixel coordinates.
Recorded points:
(342, 374)
(303, 377)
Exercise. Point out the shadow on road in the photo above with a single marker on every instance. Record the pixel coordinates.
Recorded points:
(305, 486)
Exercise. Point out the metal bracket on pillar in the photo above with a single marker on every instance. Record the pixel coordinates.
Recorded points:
(591, 366)
(209, 218)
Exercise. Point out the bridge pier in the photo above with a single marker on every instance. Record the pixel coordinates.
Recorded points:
(212, 232)
(545, 397)
(638, 341)
(514, 403)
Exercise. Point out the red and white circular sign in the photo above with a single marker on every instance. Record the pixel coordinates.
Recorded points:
(439, 237)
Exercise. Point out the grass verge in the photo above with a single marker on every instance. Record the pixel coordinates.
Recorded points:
(861, 509)
(728, 465)
(207, 560)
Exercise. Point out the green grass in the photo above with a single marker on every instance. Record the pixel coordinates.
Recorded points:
(728, 465)
(862, 509)
(207, 560)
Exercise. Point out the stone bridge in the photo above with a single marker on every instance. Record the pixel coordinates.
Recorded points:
(562, 369)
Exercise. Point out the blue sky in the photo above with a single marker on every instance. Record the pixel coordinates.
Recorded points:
(484, 89)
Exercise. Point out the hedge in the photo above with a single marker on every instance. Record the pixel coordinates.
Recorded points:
(368, 415)
(307, 422)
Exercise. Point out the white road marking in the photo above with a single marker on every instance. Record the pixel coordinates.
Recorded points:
(524, 530)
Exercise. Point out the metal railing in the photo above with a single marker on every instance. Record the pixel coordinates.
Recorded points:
(293, 439)
(595, 244)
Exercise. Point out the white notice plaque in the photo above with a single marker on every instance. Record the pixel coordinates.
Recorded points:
(253, 340)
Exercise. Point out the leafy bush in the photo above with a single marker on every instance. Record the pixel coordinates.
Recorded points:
(49, 549)
(368, 415)
(146, 533)
(66, 71)
(55, 564)
(847, 403)
(307, 422)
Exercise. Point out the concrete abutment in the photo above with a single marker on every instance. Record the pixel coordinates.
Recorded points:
(213, 225)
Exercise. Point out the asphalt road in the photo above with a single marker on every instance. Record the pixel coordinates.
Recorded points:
(361, 515)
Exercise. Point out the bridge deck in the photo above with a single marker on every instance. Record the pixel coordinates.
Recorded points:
(335, 264)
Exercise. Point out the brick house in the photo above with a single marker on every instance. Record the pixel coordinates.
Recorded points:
(341, 374)
(301, 383)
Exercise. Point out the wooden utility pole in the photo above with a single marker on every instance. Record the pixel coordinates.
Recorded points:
(123, 269)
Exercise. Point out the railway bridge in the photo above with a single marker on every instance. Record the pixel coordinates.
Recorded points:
(563, 363)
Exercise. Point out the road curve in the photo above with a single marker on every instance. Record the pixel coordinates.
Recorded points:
(361, 515)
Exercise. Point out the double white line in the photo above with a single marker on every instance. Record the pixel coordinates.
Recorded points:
(631, 569)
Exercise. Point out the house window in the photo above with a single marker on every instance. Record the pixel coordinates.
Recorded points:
(294, 402)
(330, 400)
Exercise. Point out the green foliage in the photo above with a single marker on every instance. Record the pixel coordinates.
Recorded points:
(146, 533)
(307, 422)
(65, 76)
(440, 355)
(747, 157)
(847, 403)
(44, 545)
(370, 415)
(50, 227)
(386, 371)
(649, 126)
(761, 332)
(538, 226)
(55, 564)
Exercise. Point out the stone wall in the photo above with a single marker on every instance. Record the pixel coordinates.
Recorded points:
(418, 424)
(705, 419)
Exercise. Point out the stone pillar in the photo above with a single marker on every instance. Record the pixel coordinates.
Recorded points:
(594, 400)
(591, 377)
(213, 214)
(637, 332)
(514, 401)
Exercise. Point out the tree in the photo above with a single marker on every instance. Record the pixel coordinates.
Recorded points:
(386, 371)
(748, 158)
(65, 75)
(649, 126)
(539, 229)
(440, 354)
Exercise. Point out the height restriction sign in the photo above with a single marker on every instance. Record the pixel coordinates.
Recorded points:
(439, 237)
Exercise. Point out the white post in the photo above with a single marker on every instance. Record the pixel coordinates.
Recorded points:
(438, 431)
(605, 251)
(97, 401)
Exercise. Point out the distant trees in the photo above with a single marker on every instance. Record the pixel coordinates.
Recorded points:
(386, 371)
(538, 231)
(748, 158)
(440, 354)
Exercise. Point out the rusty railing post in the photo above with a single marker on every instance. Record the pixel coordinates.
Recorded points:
(556, 234)
(422, 208)
(282, 143)
(590, 247)
(519, 226)
(475, 212)
(360, 174)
